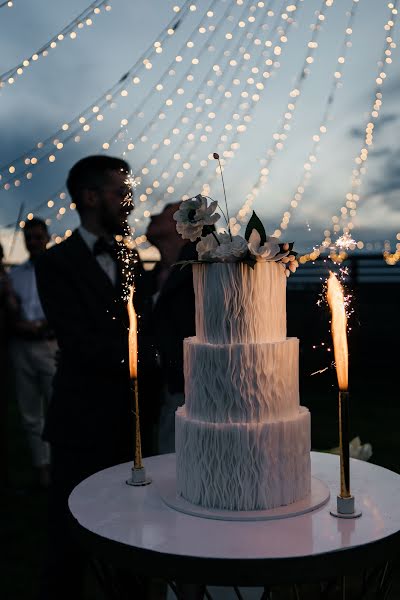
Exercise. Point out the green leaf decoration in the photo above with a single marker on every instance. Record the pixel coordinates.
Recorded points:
(250, 261)
(255, 223)
(207, 229)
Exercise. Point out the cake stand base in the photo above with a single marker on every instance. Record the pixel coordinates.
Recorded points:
(318, 496)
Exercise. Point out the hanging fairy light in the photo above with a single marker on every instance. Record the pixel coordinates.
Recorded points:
(20, 169)
(353, 196)
(280, 137)
(192, 108)
(71, 30)
(144, 170)
(247, 107)
(392, 258)
(240, 128)
(323, 125)
(187, 78)
(8, 4)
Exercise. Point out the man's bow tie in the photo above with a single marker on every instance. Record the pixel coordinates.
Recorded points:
(101, 246)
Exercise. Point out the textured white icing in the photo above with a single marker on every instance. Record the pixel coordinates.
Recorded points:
(242, 440)
(241, 382)
(243, 466)
(238, 304)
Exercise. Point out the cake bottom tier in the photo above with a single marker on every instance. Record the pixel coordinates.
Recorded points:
(243, 466)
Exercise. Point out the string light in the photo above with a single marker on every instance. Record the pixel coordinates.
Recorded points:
(178, 90)
(69, 130)
(61, 194)
(282, 134)
(392, 258)
(10, 76)
(184, 159)
(322, 128)
(179, 174)
(353, 197)
(7, 4)
(190, 108)
(146, 169)
(247, 108)
(234, 145)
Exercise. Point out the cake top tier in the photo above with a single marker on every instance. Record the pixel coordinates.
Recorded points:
(238, 304)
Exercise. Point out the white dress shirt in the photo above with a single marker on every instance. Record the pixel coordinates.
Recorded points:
(23, 281)
(105, 261)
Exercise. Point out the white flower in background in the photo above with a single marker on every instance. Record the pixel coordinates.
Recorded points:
(268, 251)
(193, 214)
(356, 449)
(221, 248)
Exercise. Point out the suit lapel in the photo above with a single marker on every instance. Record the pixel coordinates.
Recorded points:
(88, 270)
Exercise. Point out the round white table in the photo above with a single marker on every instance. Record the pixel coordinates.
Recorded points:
(133, 527)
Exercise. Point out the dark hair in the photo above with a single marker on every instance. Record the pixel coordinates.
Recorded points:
(91, 172)
(36, 222)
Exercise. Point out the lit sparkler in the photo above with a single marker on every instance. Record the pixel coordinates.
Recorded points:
(336, 301)
(138, 471)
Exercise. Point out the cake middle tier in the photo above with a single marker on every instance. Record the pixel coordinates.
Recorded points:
(218, 387)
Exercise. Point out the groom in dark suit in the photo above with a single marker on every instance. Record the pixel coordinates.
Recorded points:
(89, 422)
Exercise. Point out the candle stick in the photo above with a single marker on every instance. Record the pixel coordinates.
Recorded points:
(138, 470)
(335, 296)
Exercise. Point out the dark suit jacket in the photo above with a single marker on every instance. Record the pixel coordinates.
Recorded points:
(92, 400)
(174, 319)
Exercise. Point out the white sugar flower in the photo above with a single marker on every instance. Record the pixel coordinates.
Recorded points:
(193, 214)
(268, 251)
(221, 248)
(206, 246)
(230, 250)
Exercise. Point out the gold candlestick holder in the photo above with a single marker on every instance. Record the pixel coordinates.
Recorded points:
(345, 503)
(138, 476)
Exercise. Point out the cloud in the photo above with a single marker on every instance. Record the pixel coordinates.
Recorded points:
(392, 88)
(388, 184)
(356, 132)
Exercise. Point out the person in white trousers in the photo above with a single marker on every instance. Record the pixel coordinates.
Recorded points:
(33, 350)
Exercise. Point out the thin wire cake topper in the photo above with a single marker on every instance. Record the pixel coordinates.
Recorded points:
(196, 218)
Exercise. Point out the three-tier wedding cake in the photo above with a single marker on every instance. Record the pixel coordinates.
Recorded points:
(242, 438)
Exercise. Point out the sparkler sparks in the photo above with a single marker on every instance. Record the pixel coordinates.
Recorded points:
(319, 372)
(131, 183)
(345, 242)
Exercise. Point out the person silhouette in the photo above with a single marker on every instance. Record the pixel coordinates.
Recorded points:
(173, 317)
(89, 423)
(33, 349)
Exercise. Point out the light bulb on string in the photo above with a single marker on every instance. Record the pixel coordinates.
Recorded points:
(168, 191)
(322, 128)
(105, 101)
(353, 196)
(9, 77)
(277, 141)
